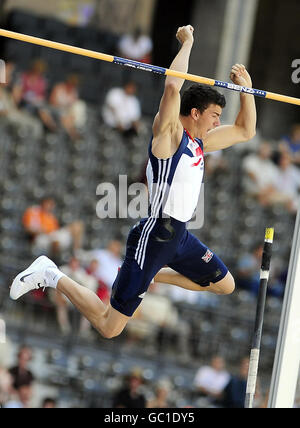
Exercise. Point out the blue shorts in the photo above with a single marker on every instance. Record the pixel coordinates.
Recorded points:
(168, 244)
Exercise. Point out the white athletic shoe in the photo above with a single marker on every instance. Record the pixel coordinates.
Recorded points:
(32, 278)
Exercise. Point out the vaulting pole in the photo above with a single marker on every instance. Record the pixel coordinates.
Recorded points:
(148, 67)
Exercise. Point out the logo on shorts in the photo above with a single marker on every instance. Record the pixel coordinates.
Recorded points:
(207, 256)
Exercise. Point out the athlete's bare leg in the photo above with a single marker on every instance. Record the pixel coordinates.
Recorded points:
(169, 276)
(104, 318)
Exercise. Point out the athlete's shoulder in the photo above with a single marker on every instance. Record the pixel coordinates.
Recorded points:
(165, 144)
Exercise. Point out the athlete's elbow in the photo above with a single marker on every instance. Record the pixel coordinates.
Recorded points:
(171, 87)
(248, 134)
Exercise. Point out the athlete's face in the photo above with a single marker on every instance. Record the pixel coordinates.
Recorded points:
(210, 119)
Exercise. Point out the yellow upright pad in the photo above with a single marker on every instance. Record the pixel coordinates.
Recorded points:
(269, 235)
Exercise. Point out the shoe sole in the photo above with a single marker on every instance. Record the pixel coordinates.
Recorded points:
(17, 283)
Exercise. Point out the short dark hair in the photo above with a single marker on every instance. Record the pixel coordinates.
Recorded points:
(201, 97)
(49, 400)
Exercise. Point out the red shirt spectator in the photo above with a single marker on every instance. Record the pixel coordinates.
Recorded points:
(32, 86)
(103, 291)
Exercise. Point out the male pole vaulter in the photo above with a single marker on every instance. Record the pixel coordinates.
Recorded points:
(183, 130)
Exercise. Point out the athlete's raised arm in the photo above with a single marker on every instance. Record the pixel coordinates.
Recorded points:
(166, 126)
(244, 127)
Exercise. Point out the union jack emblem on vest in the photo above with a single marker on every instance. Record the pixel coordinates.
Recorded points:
(207, 256)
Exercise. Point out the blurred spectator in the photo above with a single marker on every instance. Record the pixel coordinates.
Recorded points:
(278, 277)
(248, 273)
(215, 161)
(122, 109)
(5, 386)
(163, 326)
(178, 294)
(22, 399)
(30, 92)
(136, 46)
(21, 374)
(248, 269)
(49, 403)
(47, 236)
(262, 179)
(103, 291)
(211, 380)
(109, 262)
(161, 398)
(288, 181)
(74, 271)
(67, 108)
(234, 393)
(9, 109)
(291, 143)
(129, 396)
(260, 184)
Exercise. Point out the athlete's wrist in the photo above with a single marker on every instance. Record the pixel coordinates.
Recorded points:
(188, 43)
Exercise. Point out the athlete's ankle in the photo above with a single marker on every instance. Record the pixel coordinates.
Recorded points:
(52, 276)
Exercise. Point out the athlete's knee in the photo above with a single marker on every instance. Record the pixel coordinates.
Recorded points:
(224, 287)
(110, 333)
